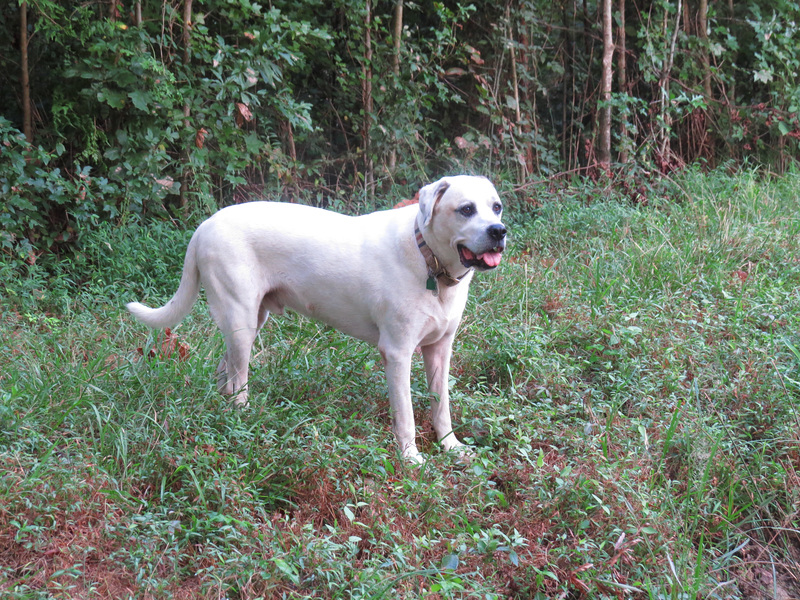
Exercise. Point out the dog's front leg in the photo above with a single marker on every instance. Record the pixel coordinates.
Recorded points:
(398, 376)
(437, 370)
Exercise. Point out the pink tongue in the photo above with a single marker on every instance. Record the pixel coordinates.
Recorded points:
(491, 258)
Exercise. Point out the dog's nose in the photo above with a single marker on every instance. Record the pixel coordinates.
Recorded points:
(497, 231)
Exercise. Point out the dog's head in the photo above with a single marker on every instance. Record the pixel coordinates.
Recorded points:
(461, 216)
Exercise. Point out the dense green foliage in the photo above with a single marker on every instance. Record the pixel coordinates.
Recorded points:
(630, 377)
(135, 108)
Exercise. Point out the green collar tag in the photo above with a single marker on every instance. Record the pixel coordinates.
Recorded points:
(431, 284)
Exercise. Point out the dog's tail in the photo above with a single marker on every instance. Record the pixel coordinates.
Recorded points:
(181, 303)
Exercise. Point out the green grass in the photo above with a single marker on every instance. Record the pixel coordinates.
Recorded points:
(630, 378)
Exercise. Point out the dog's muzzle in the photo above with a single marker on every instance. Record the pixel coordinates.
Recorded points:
(489, 257)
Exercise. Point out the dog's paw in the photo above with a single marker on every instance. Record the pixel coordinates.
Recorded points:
(413, 456)
(461, 452)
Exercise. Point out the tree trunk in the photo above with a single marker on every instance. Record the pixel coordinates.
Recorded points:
(187, 38)
(397, 35)
(665, 127)
(187, 111)
(521, 154)
(514, 79)
(27, 117)
(530, 126)
(702, 27)
(568, 86)
(731, 16)
(622, 81)
(604, 117)
(731, 93)
(366, 98)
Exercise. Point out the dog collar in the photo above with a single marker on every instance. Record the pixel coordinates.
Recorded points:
(436, 271)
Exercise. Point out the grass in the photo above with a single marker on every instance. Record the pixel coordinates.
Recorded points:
(630, 378)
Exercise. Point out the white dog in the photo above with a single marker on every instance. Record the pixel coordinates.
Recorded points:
(397, 279)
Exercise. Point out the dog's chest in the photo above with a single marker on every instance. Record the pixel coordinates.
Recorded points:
(442, 317)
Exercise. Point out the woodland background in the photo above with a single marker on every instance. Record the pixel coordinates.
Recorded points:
(629, 376)
(115, 109)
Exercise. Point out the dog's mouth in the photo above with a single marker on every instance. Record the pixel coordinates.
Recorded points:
(485, 261)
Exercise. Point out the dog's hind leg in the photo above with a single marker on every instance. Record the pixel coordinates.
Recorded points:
(234, 306)
(240, 318)
(238, 346)
(224, 386)
(225, 383)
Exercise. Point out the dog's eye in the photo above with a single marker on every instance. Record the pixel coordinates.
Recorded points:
(467, 210)
(497, 208)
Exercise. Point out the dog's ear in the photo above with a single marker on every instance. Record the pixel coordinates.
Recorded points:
(429, 197)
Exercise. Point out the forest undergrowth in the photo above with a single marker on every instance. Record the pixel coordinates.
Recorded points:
(629, 378)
